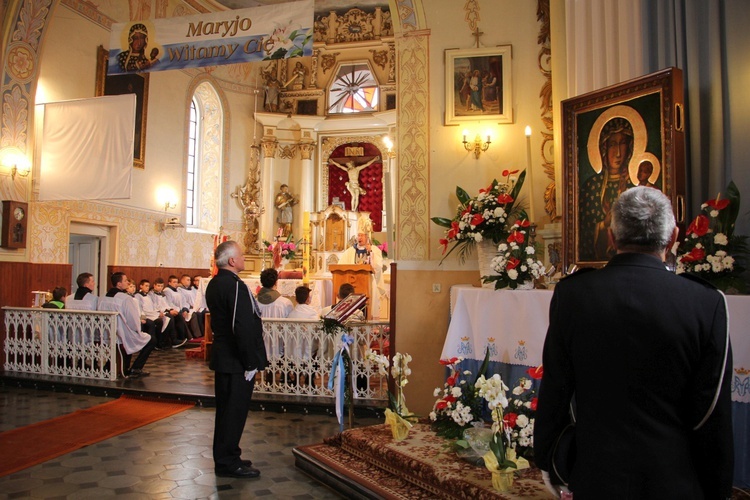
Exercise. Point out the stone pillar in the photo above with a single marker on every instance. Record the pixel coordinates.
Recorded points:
(306, 195)
(268, 220)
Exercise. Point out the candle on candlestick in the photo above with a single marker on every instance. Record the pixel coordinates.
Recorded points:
(529, 178)
(305, 247)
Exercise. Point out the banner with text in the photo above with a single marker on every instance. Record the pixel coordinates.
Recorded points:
(278, 31)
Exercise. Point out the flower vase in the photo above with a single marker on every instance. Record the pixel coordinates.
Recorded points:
(526, 285)
(486, 251)
(399, 426)
(503, 481)
(283, 264)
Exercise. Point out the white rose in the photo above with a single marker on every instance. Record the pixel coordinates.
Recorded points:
(502, 247)
(433, 416)
(477, 237)
(522, 421)
(714, 213)
(436, 392)
(513, 274)
(530, 250)
(720, 239)
(456, 392)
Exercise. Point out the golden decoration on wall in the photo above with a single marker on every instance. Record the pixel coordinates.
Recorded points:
(545, 94)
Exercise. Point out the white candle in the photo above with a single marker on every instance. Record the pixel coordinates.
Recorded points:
(529, 180)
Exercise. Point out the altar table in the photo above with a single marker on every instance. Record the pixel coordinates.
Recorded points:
(513, 325)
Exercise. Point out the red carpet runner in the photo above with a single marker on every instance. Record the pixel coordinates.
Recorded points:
(37, 443)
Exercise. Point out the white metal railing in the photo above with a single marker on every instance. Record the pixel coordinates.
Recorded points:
(61, 342)
(300, 355)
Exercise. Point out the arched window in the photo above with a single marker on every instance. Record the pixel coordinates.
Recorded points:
(353, 90)
(205, 137)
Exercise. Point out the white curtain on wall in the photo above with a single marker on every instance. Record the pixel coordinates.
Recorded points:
(603, 43)
(87, 149)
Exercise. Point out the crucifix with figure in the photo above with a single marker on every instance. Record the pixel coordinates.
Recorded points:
(352, 169)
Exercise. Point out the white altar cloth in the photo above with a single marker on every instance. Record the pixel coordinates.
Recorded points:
(514, 324)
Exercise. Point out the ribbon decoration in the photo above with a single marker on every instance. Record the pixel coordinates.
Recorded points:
(502, 479)
(338, 372)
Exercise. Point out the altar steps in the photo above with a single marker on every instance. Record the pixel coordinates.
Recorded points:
(366, 462)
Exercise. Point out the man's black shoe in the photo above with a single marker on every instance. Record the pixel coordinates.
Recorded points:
(241, 472)
(138, 373)
(247, 463)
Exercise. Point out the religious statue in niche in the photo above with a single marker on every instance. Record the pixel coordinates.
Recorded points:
(250, 213)
(298, 77)
(284, 202)
(353, 171)
(272, 87)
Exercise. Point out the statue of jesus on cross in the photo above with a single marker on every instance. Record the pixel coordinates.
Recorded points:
(352, 185)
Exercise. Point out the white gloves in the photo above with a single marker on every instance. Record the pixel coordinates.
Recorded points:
(249, 375)
(548, 483)
(555, 489)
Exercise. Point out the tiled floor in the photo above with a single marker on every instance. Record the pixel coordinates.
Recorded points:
(170, 458)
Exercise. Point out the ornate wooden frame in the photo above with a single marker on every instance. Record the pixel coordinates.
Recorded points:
(653, 105)
(456, 60)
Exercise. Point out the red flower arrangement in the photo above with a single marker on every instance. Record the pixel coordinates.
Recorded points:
(711, 250)
(483, 217)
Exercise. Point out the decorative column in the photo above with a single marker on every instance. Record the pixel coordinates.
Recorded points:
(314, 69)
(268, 226)
(391, 63)
(306, 195)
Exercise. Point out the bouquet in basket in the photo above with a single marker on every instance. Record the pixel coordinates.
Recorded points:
(483, 217)
(459, 403)
(711, 250)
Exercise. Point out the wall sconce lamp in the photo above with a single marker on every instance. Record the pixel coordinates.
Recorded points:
(169, 205)
(17, 164)
(389, 147)
(477, 146)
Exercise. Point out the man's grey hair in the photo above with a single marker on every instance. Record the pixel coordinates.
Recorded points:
(642, 219)
(226, 251)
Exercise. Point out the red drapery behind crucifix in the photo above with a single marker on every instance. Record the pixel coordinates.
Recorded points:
(370, 180)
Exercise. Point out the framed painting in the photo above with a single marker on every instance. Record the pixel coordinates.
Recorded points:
(622, 136)
(135, 83)
(478, 85)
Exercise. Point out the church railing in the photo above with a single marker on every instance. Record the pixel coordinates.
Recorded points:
(61, 342)
(300, 355)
